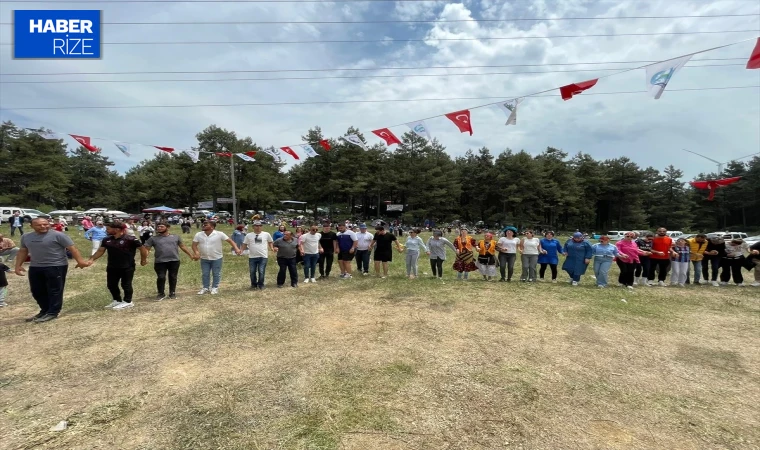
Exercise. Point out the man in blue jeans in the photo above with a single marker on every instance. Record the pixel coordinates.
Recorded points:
(207, 246)
(48, 267)
(310, 247)
(257, 243)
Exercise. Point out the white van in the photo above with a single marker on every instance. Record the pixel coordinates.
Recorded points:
(675, 234)
(6, 212)
(616, 235)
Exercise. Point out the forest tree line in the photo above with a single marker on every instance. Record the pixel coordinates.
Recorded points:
(552, 189)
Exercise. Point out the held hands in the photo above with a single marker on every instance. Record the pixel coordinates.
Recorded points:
(623, 256)
(84, 264)
(586, 261)
(144, 262)
(321, 250)
(427, 252)
(238, 252)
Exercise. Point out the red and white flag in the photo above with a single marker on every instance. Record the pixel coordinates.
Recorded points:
(325, 144)
(386, 135)
(225, 154)
(251, 154)
(568, 91)
(290, 152)
(84, 141)
(165, 149)
(754, 58)
(462, 120)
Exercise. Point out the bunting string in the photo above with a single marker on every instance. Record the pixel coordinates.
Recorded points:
(657, 76)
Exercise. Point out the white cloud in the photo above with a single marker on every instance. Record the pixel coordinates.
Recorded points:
(650, 132)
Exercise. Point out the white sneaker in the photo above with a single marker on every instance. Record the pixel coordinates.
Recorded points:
(203, 291)
(715, 283)
(2, 304)
(630, 287)
(314, 280)
(741, 284)
(600, 286)
(305, 280)
(723, 283)
(214, 291)
(575, 283)
(755, 284)
(554, 280)
(661, 283)
(123, 305)
(112, 304)
(365, 274)
(682, 284)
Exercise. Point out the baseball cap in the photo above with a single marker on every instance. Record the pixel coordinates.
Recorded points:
(256, 222)
(363, 226)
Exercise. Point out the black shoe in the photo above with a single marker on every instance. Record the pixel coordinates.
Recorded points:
(160, 297)
(46, 318)
(34, 317)
(501, 280)
(294, 285)
(280, 285)
(253, 288)
(172, 296)
(261, 288)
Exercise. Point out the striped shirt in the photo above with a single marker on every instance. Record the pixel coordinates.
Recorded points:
(683, 254)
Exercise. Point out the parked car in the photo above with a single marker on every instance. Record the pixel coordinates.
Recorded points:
(6, 212)
(728, 235)
(675, 234)
(752, 240)
(616, 235)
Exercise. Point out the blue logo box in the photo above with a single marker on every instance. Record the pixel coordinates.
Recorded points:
(56, 34)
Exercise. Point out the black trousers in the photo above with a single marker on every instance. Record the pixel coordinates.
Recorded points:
(20, 230)
(642, 267)
(114, 276)
(663, 265)
(436, 265)
(542, 271)
(288, 264)
(47, 284)
(172, 267)
(627, 271)
(325, 264)
(507, 265)
(731, 268)
(712, 263)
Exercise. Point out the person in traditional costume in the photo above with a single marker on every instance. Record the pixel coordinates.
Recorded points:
(578, 254)
(465, 260)
(486, 262)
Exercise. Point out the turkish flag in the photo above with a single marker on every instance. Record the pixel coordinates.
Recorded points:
(84, 141)
(251, 154)
(386, 135)
(290, 152)
(754, 58)
(568, 91)
(164, 149)
(227, 154)
(462, 120)
(325, 145)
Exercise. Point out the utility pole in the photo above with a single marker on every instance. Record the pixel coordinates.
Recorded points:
(234, 197)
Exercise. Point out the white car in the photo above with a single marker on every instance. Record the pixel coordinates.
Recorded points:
(616, 235)
(728, 235)
(752, 240)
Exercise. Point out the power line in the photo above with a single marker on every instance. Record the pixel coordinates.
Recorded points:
(226, 1)
(346, 77)
(392, 40)
(343, 102)
(177, 72)
(344, 22)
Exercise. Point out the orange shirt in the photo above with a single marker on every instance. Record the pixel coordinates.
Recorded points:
(662, 244)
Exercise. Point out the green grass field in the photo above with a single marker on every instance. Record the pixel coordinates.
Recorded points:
(373, 363)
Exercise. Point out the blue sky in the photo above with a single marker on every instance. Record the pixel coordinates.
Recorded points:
(722, 124)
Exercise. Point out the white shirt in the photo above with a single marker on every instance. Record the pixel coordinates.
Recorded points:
(509, 245)
(210, 246)
(365, 239)
(310, 243)
(258, 249)
(530, 246)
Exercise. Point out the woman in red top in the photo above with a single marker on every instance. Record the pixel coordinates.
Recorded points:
(660, 258)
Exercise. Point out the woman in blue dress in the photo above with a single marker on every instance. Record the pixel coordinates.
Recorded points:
(550, 250)
(578, 254)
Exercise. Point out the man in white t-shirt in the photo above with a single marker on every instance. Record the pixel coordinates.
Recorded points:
(258, 243)
(310, 249)
(364, 241)
(207, 245)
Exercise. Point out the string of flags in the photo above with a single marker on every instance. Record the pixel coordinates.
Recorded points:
(658, 76)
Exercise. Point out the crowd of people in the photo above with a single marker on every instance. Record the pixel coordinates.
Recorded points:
(643, 260)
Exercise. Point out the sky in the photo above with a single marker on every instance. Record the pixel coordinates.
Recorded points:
(722, 124)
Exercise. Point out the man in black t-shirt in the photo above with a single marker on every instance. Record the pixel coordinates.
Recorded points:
(121, 262)
(329, 238)
(382, 244)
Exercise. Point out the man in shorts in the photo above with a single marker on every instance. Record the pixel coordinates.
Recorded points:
(345, 247)
(383, 246)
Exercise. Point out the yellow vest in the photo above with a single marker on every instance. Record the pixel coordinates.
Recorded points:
(697, 249)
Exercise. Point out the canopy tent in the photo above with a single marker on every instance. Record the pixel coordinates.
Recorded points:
(162, 209)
